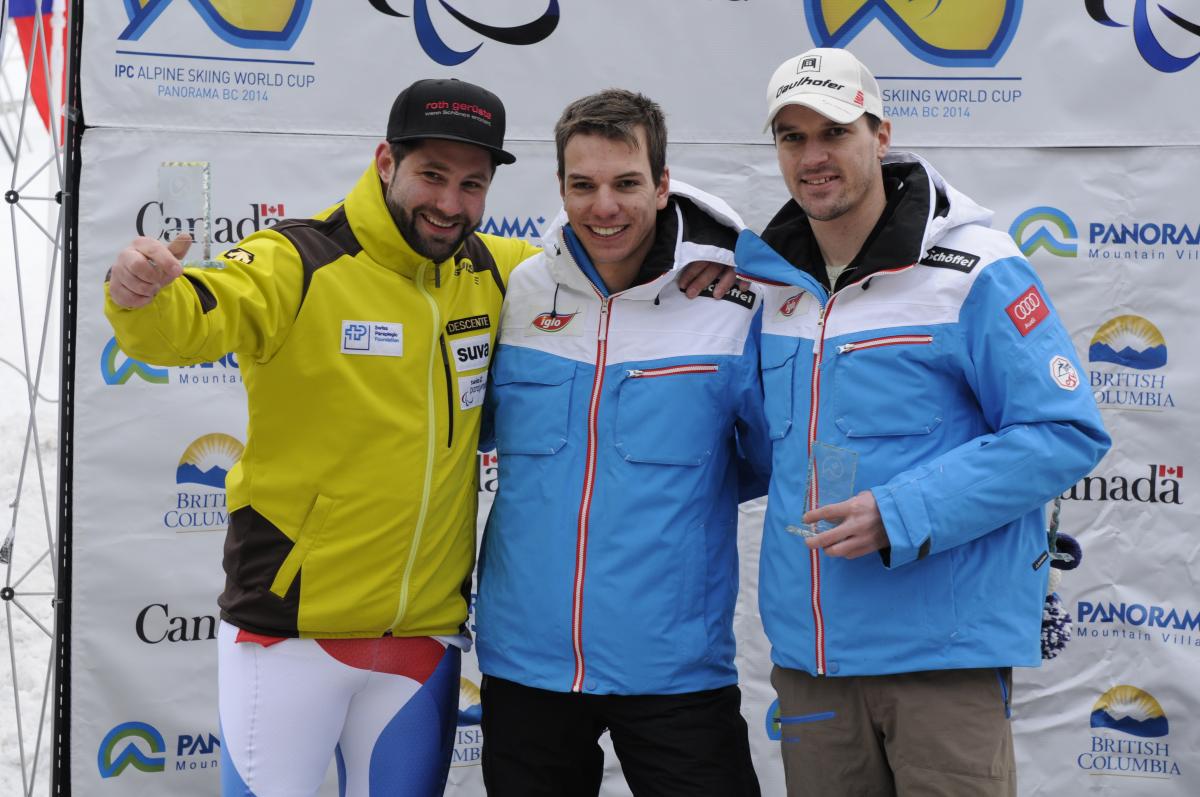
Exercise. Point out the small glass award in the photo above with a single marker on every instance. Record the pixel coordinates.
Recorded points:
(831, 480)
(185, 190)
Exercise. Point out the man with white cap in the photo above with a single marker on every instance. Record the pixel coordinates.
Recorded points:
(909, 353)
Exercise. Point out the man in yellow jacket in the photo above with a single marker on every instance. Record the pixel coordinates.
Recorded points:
(364, 337)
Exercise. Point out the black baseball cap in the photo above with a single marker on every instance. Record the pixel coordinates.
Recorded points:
(450, 109)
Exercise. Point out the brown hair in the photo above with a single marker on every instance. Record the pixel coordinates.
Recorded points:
(615, 114)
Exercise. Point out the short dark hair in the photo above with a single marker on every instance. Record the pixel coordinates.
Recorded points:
(615, 114)
(402, 149)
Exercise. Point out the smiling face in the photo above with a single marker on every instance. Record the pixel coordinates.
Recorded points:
(612, 201)
(831, 170)
(436, 193)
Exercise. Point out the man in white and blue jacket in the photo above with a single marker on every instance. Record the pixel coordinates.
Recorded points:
(621, 409)
(916, 349)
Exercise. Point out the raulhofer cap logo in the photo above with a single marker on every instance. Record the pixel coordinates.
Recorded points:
(830, 81)
(450, 109)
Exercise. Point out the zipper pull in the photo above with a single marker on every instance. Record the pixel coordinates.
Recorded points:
(634, 372)
(437, 275)
(845, 347)
(821, 315)
(603, 320)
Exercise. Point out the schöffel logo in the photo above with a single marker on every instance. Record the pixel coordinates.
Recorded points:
(435, 46)
(1035, 229)
(199, 503)
(1122, 712)
(1148, 44)
(116, 369)
(1122, 352)
(946, 34)
(941, 257)
(468, 738)
(1160, 484)
(113, 762)
(263, 24)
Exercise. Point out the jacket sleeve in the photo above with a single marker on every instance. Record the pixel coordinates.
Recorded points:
(247, 307)
(753, 442)
(1019, 363)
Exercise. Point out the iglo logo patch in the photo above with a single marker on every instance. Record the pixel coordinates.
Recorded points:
(553, 322)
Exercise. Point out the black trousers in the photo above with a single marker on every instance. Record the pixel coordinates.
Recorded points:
(538, 743)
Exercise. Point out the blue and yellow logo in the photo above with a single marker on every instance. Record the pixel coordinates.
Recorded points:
(1148, 45)
(119, 374)
(111, 765)
(1044, 220)
(1131, 341)
(208, 459)
(263, 24)
(941, 32)
(470, 703)
(1130, 710)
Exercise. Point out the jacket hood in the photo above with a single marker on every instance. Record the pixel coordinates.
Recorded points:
(695, 225)
(922, 209)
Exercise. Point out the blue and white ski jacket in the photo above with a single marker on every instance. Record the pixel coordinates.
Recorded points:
(609, 561)
(940, 361)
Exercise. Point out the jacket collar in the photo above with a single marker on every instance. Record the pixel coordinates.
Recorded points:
(373, 226)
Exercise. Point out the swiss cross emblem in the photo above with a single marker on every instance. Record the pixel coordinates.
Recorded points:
(858, 98)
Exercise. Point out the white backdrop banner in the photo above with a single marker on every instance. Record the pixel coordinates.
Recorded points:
(1112, 229)
(957, 72)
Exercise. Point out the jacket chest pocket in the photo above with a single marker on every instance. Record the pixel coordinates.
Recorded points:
(532, 404)
(887, 385)
(671, 415)
(778, 359)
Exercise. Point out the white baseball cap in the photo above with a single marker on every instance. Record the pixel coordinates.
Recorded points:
(831, 81)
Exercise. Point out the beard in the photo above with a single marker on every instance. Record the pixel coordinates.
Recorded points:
(435, 249)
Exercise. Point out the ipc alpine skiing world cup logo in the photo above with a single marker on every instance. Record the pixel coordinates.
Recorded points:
(277, 24)
(1149, 44)
(975, 33)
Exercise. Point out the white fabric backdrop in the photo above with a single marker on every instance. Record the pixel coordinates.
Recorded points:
(148, 546)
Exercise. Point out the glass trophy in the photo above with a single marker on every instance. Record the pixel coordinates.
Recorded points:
(831, 480)
(185, 190)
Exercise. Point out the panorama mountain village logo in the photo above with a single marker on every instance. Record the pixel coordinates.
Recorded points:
(1156, 48)
(1127, 365)
(142, 746)
(116, 368)
(1138, 623)
(1050, 229)
(1129, 737)
(199, 501)
(278, 24)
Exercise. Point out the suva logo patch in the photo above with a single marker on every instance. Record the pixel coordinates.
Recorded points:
(946, 34)
(1035, 229)
(1148, 45)
(437, 49)
(112, 762)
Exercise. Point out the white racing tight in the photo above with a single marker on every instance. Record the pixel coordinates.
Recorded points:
(386, 708)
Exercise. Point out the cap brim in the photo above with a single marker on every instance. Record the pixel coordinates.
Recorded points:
(501, 156)
(831, 108)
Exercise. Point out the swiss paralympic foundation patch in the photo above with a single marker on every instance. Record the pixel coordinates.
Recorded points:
(1028, 311)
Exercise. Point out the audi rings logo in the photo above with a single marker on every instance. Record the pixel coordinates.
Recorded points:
(1028, 310)
(437, 49)
(1044, 221)
(1027, 306)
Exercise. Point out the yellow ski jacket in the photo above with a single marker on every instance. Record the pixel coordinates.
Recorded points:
(352, 509)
